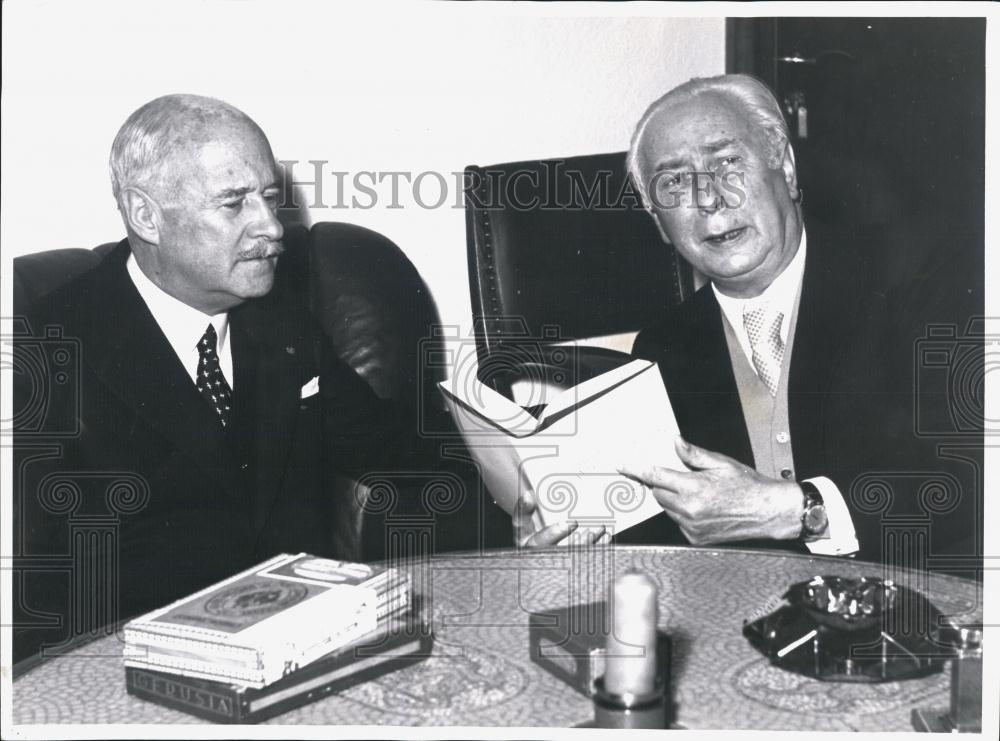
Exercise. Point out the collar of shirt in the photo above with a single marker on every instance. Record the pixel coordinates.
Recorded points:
(183, 325)
(780, 294)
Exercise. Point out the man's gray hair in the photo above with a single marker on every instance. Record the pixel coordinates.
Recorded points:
(748, 92)
(157, 131)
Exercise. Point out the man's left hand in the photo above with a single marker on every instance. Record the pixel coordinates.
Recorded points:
(720, 499)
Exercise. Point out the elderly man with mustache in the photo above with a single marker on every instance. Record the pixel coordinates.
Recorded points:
(209, 408)
(794, 372)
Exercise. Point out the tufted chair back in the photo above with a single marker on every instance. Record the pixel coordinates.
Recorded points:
(561, 250)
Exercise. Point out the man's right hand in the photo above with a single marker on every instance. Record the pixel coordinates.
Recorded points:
(526, 536)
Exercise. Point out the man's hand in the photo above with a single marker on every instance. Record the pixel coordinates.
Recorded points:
(720, 499)
(525, 535)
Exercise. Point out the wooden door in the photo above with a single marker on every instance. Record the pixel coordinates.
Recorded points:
(887, 121)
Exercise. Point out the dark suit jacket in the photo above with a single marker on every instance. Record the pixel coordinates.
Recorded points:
(181, 503)
(851, 402)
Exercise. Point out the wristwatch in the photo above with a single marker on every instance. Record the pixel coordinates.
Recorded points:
(814, 519)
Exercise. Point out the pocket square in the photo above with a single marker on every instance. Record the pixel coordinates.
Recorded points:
(310, 389)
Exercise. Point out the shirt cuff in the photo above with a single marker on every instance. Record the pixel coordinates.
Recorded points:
(841, 539)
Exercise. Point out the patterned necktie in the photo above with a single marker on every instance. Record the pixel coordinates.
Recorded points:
(211, 383)
(763, 327)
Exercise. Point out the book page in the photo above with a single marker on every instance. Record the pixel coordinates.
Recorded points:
(487, 408)
(633, 423)
(586, 391)
(571, 460)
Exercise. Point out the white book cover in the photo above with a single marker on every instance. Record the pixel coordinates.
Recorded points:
(258, 625)
(569, 454)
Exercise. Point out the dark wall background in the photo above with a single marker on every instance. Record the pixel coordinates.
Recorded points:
(895, 128)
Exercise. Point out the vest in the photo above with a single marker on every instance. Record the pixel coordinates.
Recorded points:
(766, 416)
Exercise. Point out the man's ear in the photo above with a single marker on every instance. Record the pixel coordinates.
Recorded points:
(142, 214)
(788, 170)
(648, 206)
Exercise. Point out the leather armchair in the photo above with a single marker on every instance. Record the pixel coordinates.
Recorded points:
(561, 250)
(376, 310)
(40, 273)
(378, 314)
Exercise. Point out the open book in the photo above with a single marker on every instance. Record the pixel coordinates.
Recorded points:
(568, 455)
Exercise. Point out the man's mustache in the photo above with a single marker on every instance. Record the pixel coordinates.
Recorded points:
(263, 248)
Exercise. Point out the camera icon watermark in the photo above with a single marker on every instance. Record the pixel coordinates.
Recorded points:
(45, 370)
(950, 370)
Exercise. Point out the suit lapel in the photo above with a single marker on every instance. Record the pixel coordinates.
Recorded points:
(708, 403)
(267, 390)
(827, 317)
(132, 357)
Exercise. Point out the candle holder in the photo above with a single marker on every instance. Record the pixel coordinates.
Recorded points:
(630, 710)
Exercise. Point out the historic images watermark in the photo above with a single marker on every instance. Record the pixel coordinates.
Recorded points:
(552, 186)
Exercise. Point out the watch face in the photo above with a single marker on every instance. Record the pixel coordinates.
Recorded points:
(814, 520)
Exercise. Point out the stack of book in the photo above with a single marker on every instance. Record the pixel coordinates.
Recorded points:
(273, 637)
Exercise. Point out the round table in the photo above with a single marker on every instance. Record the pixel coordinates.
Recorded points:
(480, 673)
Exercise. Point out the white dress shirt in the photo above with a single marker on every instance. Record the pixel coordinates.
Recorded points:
(183, 325)
(780, 296)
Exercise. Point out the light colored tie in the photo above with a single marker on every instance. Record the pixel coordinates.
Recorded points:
(763, 326)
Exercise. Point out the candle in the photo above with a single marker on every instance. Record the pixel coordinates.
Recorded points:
(631, 664)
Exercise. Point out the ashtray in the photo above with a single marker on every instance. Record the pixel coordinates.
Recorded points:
(842, 629)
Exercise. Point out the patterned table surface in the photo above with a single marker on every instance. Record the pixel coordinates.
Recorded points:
(480, 674)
